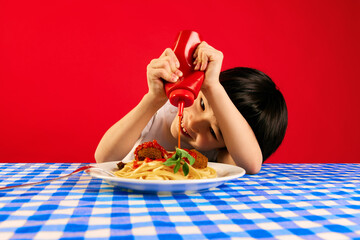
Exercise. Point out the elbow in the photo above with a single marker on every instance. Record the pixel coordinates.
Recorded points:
(103, 155)
(251, 164)
(99, 157)
(255, 166)
(252, 170)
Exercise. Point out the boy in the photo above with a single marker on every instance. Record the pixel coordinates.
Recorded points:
(239, 116)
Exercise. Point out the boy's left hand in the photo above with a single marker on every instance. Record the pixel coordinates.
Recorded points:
(208, 59)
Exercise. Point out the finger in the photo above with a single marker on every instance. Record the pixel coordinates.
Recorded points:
(166, 52)
(161, 64)
(204, 61)
(165, 63)
(170, 53)
(205, 44)
(197, 66)
(174, 63)
(160, 68)
(165, 75)
(198, 60)
(203, 66)
(196, 52)
(178, 73)
(172, 60)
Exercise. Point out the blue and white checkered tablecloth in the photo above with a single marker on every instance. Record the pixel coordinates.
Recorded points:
(284, 201)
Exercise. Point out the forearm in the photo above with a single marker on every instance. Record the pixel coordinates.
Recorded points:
(239, 138)
(121, 137)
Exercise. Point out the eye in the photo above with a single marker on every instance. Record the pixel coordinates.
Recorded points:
(213, 133)
(202, 105)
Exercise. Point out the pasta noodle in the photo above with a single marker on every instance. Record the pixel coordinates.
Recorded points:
(153, 162)
(156, 170)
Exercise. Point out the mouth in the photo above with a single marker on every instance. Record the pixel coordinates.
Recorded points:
(183, 129)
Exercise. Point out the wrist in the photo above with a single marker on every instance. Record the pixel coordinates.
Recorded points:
(154, 101)
(212, 89)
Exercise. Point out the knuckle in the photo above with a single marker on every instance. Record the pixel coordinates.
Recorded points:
(162, 64)
(167, 58)
(166, 64)
(153, 62)
(170, 62)
(168, 50)
(203, 44)
(163, 73)
(221, 54)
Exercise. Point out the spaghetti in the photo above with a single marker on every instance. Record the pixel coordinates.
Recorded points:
(156, 170)
(153, 162)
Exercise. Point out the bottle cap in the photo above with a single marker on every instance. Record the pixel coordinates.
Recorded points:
(183, 95)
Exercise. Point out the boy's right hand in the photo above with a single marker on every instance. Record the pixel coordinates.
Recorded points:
(164, 68)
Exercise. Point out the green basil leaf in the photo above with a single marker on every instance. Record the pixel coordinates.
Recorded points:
(170, 162)
(185, 168)
(177, 158)
(177, 167)
(174, 157)
(185, 154)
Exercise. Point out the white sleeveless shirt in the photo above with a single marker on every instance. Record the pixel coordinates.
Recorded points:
(158, 129)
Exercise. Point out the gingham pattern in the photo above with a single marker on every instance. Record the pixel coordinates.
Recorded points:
(284, 201)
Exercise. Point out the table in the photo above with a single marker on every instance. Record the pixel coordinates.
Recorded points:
(283, 201)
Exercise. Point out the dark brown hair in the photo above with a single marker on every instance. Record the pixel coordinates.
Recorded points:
(260, 102)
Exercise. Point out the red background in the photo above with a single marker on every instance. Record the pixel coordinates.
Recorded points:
(70, 69)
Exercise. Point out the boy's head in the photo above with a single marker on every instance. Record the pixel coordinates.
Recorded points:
(260, 102)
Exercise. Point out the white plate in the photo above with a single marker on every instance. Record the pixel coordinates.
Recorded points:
(224, 172)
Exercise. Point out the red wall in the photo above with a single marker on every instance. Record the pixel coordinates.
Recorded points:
(70, 69)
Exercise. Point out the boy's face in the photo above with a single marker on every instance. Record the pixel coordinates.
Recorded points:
(199, 127)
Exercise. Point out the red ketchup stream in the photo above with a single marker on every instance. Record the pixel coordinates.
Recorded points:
(182, 93)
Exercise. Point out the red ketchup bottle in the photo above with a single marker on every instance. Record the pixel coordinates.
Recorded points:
(183, 92)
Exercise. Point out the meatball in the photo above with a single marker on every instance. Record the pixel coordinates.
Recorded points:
(200, 160)
(150, 152)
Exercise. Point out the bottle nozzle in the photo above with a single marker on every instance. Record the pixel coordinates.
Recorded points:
(181, 95)
(181, 108)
